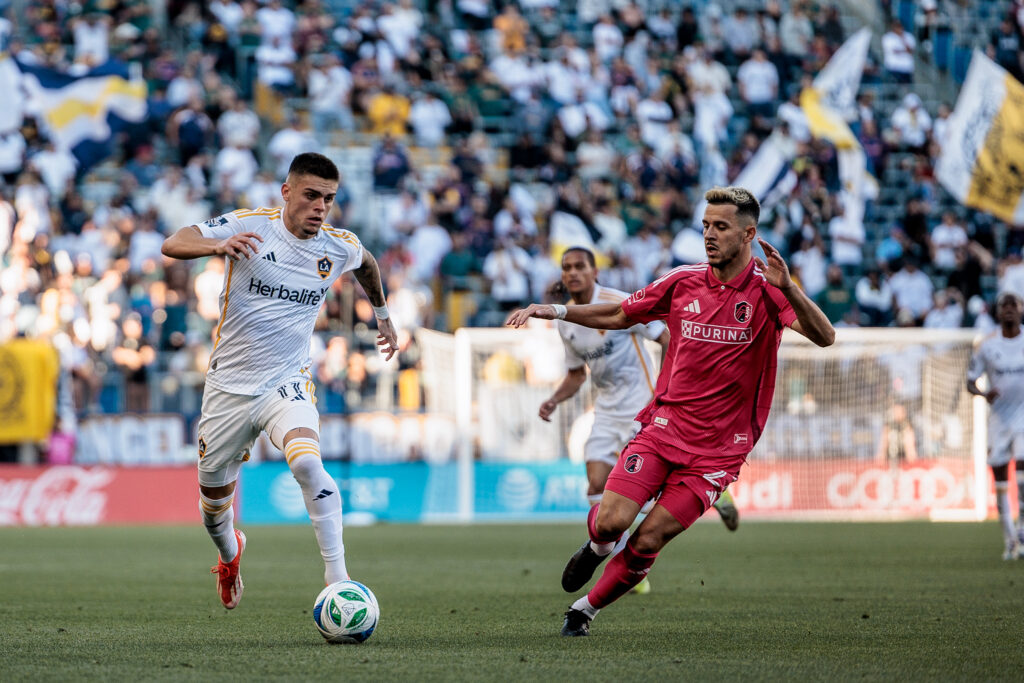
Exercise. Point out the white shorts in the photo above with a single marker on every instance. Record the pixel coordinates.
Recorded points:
(230, 423)
(1004, 446)
(608, 437)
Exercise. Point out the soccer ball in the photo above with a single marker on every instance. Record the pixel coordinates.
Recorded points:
(346, 612)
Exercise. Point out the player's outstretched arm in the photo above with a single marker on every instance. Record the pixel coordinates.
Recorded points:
(574, 379)
(189, 243)
(597, 316)
(973, 388)
(368, 277)
(810, 321)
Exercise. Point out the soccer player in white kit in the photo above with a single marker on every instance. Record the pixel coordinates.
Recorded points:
(622, 373)
(280, 264)
(1000, 356)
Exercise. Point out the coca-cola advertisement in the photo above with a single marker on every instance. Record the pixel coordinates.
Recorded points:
(88, 496)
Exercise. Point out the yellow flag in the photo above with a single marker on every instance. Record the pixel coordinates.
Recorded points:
(28, 390)
(981, 161)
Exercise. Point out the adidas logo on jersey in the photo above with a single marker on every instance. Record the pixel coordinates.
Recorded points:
(270, 257)
(693, 306)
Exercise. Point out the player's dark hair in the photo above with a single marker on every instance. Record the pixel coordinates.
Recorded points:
(589, 254)
(311, 163)
(743, 199)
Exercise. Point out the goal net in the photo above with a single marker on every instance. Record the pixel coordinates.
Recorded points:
(879, 425)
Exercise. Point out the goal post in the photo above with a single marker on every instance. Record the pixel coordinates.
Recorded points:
(877, 426)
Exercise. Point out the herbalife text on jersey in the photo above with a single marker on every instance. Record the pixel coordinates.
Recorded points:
(303, 296)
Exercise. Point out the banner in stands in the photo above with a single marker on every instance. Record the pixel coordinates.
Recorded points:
(556, 491)
(89, 496)
(163, 439)
(856, 488)
(28, 390)
(408, 492)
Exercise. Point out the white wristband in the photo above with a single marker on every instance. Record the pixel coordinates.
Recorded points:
(560, 311)
(380, 312)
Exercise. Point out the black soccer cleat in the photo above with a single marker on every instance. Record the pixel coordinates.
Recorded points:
(576, 623)
(580, 568)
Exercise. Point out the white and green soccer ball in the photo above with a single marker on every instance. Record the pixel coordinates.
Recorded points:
(346, 612)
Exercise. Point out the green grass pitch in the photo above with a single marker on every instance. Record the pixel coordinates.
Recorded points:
(773, 601)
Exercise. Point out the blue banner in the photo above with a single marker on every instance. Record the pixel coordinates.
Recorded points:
(417, 492)
(554, 491)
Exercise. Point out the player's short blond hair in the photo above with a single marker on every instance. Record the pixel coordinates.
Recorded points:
(743, 199)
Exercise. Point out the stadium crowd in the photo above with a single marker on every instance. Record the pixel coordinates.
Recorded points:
(499, 131)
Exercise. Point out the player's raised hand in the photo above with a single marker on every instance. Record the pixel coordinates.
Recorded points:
(774, 267)
(387, 338)
(519, 317)
(240, 244)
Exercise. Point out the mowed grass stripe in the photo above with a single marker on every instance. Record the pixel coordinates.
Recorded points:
(773, 601)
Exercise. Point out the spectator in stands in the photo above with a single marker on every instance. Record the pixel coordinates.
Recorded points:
(390, 165)
(898, 48)
(287, 143)
(330, 90)
(388, 112)
(911, 124)
(741, 35)
(239, 125)
(608, 39)
(134, 356)
(874, 298)
(809, 263)
(948, 311)
(276, 62)
(946, 238)
(1006, 48)
(758, 82)
(912, 290)
(847, 236)
(507, 268)
(835, 300)
(795, 33)
(429, 118)
(1011, 273)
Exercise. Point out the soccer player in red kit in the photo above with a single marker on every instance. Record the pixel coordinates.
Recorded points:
(725, 318)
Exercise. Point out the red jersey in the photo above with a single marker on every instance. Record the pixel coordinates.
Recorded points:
(718, 377)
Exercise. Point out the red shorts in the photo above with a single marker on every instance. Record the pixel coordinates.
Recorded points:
(648, 467)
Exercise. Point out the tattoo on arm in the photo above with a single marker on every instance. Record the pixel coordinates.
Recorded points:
(368, 276)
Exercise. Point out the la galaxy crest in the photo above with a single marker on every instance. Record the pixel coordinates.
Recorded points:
(323, 267)
(742, 311)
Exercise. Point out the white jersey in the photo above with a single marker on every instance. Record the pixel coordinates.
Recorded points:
(270, 301)
(620, 367)
(1002, 360)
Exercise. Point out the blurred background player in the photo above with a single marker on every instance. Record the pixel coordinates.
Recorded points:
(712, 398)
(1000, 357)
(280, 264)
(622, 372)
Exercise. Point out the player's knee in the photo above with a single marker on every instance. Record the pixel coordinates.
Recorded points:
(611, 522)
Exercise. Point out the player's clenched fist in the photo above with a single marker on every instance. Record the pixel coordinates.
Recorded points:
(240, 244)
(543, 311)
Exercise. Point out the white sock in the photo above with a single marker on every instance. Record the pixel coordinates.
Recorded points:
(583, 605)
(594, 498)
(219, 520)
(648, 506)
(323, 503)
(1005, 517)
(602, 549)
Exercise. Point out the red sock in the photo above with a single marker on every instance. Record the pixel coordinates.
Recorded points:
(591, 520)
(624, 571)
